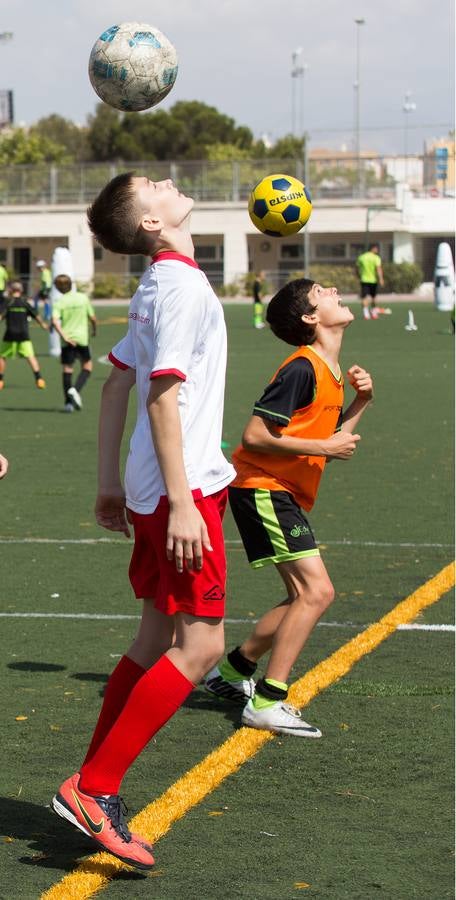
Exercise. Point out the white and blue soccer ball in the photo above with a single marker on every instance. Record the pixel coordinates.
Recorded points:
(132, 66)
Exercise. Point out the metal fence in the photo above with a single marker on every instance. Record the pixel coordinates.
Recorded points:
(231, 181)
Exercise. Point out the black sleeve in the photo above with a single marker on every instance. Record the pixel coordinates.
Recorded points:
(29, 309)
(292, 389)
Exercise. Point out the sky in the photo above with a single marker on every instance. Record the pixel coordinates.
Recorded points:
(236, 55)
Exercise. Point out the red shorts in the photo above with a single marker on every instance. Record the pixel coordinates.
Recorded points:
(155, 577)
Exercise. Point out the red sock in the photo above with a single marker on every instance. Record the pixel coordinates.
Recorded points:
(118, 689)
(154, 699)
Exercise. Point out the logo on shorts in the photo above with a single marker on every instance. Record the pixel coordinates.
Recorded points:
(298, 530)
(214, 593)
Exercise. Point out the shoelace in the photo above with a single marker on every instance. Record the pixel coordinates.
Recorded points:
(116, 811)
(291, 710)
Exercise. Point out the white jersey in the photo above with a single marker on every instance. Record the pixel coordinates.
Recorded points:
(176, 326)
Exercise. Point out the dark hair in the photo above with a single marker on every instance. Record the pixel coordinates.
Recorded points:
(114, 217)
(63, 283)
(285, 311)
(375, 244)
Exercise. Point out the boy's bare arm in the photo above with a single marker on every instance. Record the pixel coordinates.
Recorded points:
(110, 503)
(187, 532)
(361, 381)
(262, 436)
(58, 328)
(93, 323)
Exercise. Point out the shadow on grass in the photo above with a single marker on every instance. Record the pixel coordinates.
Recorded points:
(202, 700)
(33, 409)
(56, 844)
(29, 666)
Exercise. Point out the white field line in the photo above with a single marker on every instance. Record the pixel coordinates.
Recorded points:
(119, 616)
(228, 543)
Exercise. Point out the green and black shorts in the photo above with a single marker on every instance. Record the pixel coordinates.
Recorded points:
(273, 528)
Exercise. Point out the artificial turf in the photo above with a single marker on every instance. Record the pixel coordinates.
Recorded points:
(364, 812)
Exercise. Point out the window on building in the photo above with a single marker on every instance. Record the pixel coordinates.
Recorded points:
(205, 251)
(292, 251)
(3, 255)
(330, 251)
(97, 253)
(137, 263)
(356, 250)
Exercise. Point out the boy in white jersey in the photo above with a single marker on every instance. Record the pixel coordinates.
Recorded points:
(175, 494)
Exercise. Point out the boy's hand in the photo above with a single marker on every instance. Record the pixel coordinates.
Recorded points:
(341, 445)
(111, 513)
(187, 535)
(362, 383)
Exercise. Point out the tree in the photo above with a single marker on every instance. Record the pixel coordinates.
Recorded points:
(65, 133)
(19, 148)
(103, 133)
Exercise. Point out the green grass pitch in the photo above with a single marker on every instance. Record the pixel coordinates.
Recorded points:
(363, 813)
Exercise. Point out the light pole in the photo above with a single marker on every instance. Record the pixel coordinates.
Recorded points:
(408, 107)
(298, 71)
(357, 87)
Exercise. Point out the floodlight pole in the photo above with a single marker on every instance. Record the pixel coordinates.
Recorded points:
(408, 107)
(297, 102)
(306, 236)
(357, 87)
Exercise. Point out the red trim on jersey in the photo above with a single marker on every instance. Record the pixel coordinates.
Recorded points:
(170, 254)
(117, 363)
(160, 372)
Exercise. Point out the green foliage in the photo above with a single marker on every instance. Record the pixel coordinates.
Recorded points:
(109, 285)
(233, 289)
(344, 278)
(22, 148)
(64, 133)
(402, 278)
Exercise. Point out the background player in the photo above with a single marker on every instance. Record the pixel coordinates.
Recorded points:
(71, 314)
(45, 285)
(257, 293)
(176, 491)
(370, 271)
(296, 426)
(16, 340)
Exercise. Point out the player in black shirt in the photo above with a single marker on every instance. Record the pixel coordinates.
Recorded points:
(16, 340)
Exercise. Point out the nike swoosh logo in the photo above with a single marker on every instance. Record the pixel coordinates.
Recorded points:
(96, 827)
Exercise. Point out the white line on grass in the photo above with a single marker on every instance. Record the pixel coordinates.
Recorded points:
(228, 542)
(120, 616)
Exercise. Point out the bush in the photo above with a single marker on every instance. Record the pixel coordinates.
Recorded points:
(228, 290)
(344, 278)
(107, 286)
(402, 278)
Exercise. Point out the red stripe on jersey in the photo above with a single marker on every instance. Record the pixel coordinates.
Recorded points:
(117, 363)
(160, 372)
(170, 254)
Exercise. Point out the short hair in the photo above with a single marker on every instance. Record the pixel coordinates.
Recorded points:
(285, 311)
(63, 283)
(16, 287)
(115, 217)
(372, 246)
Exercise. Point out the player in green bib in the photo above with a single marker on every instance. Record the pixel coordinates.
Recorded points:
(71, 314)
(369, 265)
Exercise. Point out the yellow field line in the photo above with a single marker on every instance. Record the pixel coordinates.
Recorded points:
(96, 871)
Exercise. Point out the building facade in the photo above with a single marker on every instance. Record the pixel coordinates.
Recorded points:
(407, 224)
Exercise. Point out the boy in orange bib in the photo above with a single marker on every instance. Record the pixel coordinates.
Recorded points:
(296, 426)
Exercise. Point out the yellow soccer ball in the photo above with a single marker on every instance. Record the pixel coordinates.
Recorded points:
(280, 205)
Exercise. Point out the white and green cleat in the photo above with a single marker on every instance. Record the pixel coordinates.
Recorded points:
(280, 718)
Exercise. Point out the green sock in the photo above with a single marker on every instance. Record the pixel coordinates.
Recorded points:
(257, 313)
(229, 673)
(260, 702)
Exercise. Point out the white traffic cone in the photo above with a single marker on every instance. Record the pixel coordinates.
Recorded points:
(411, 322)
